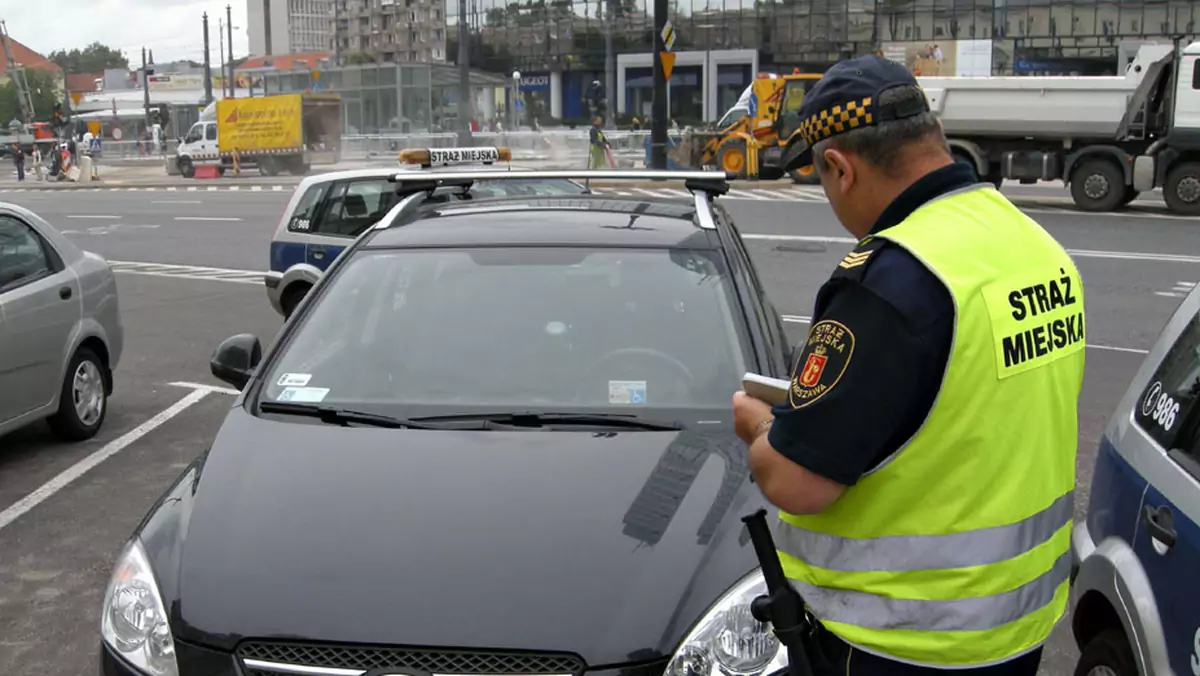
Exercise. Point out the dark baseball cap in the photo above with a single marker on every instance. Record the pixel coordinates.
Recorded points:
(847, 97)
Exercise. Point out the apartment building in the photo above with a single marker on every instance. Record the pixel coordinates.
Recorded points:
(289, 26)
(388, 31)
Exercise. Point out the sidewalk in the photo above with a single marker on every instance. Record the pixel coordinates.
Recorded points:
(155, 176)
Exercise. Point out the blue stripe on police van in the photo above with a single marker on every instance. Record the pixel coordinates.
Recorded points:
(286, 254)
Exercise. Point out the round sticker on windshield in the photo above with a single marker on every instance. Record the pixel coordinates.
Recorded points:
(556, 328)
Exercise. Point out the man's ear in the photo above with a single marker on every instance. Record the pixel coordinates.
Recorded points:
(841, 170)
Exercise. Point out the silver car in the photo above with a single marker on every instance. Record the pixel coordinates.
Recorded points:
(60, 329)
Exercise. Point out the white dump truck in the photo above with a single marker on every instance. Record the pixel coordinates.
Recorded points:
(1108, 138)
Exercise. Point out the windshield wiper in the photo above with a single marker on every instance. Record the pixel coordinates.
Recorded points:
(344, 417)
(542, 418)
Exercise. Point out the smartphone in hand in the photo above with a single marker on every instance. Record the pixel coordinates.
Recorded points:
(771, 390)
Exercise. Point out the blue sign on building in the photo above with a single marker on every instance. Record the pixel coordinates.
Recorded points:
(536, 83)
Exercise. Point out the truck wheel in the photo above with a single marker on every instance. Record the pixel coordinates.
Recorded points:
(1182, 190)
(1129, 196)
(1097, 185)
(268, 167)
(732, 158)
(186, 169)
(1107, 654)
(804, 176)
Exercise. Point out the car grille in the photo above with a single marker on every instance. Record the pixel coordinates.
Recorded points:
(260, 658)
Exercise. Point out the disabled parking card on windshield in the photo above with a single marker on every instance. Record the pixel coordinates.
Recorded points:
(627, 392)
(307, 395)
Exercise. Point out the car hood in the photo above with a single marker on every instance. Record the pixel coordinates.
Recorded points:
(608, 545)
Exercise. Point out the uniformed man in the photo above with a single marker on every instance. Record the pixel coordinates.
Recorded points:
(924, 463)
(599, 150)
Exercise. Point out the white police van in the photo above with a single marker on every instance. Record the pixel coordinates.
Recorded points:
(327, 211)
(1136, 578)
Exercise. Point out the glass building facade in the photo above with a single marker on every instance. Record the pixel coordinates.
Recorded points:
(392, 98)
(567, 38)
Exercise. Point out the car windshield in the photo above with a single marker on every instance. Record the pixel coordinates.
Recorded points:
(436, 331)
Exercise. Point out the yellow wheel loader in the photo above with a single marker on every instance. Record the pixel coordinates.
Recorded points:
(749, 139)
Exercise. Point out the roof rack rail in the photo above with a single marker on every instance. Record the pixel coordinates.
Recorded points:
(414, 189)
(712, 183)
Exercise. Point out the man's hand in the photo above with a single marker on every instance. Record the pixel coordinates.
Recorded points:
(750, 416)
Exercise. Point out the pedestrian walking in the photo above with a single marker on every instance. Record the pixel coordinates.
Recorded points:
(599, 150)
(19, 160)
(923, 463)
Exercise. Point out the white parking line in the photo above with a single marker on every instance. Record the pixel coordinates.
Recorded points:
(91, 216)
(67, 476)
(207, 388)
(207, 218)
(177, 202)
(801, 319)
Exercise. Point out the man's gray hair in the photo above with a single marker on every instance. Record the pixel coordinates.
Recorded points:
(886, 145)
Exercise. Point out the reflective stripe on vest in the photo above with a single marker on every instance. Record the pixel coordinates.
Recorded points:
(925, 552)
(955, 551)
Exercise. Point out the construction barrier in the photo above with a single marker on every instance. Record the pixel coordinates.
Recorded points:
(206, 171)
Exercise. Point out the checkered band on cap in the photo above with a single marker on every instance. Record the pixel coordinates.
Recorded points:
(836, 120)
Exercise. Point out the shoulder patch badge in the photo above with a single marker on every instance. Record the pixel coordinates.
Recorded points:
(821, 364)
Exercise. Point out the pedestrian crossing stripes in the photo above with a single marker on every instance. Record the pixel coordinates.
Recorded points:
(187, 272)
(1180, 290)
(165, 188)
(750, 194)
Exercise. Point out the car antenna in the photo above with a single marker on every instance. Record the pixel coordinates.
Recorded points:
(782, 606)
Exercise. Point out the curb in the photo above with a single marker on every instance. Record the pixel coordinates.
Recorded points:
(114, 187)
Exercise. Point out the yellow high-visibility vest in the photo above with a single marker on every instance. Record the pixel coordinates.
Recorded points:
(955, 551)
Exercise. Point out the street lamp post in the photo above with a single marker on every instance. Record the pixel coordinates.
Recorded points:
(516, 115)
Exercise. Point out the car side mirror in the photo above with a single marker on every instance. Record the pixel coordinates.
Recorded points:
(235, 359)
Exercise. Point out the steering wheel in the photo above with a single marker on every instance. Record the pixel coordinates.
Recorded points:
(627, 352)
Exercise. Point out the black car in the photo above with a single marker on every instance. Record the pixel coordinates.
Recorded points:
(495, 438)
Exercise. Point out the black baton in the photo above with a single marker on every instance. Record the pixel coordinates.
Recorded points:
(783, 606)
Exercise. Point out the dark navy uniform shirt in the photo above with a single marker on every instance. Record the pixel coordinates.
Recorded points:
(879, 343)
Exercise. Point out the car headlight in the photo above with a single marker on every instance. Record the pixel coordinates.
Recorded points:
(133, 621)
(728, 641)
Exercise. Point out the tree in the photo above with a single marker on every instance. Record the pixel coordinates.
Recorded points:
(358, 59)
(483, 56)
(94, 58)
(43, 89)
(891, 10)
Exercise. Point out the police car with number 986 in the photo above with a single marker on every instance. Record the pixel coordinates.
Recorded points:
(1136, 598)
(327, 212)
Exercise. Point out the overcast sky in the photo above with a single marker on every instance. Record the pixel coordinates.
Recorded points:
(172, 28)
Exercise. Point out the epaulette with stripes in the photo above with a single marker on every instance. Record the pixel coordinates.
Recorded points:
(853, 267)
